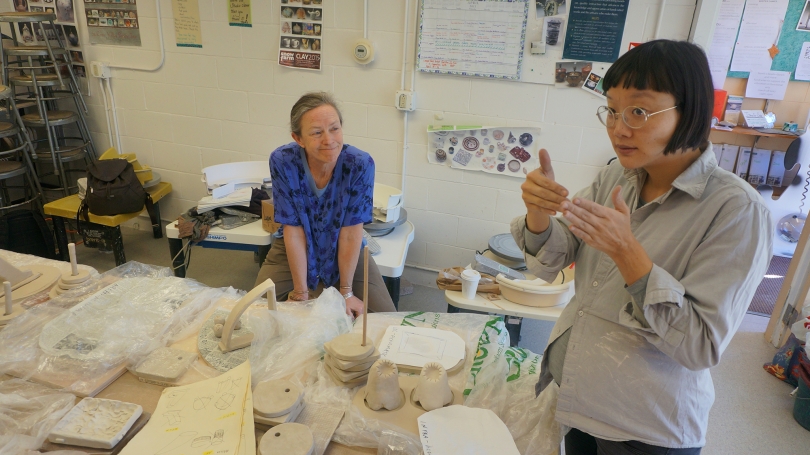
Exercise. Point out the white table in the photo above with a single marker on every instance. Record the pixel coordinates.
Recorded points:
(251, 237)
(514, 312)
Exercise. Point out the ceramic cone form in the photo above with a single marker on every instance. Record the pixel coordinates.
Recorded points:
(433, 390)
(382, 390)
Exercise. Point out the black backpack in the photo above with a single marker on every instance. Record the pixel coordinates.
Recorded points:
(113, 189)
(25, 231)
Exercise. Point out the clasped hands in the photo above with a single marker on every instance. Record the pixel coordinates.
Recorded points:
(606, 229)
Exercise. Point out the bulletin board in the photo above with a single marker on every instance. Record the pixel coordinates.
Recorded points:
(483, 38)
(789, 44)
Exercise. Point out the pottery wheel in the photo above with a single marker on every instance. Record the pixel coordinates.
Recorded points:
(80, 278)
(275, 398)
(49, 276)
(348, 347)
(287, 439)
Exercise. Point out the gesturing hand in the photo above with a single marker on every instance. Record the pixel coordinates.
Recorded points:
(542, 195)
(606, 229)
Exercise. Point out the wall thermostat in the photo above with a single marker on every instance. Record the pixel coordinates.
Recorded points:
(363, 51)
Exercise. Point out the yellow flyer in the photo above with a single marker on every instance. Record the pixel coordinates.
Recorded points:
(187, 23)
(239, 13)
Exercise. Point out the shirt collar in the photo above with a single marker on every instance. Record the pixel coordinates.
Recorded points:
(692, 181)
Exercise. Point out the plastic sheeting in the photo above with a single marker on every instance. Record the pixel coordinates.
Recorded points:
(28, 412)
(91, 343)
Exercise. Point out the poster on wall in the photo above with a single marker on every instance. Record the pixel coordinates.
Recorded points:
(484, 38)
(112, 22)
(301, 28)
(595, 29)
(497, 150)
(239, 13)
(187, 32)
(64, 31)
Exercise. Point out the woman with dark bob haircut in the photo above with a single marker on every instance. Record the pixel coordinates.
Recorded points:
(669, 249)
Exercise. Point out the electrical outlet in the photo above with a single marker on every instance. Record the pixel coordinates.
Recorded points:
(100, 70)
(405, 100)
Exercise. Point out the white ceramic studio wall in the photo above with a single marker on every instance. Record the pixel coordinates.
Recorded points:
(230, 101)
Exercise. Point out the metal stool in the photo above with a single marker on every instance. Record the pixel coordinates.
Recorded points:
(16, 162)
(34, 20)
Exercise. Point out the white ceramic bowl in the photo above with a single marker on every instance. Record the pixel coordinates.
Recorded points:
(529, 293)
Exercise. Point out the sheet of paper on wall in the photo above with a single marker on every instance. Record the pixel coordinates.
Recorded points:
(767, 84)
(187, 31)
(725, 35)
(761, 23)
(205, 417)
(300, 42)
(803, 65)
(508, 151)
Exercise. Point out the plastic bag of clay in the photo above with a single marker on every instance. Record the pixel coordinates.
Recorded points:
(288, 342)
(393, 443)
(355, 429)
(23, 260)
(28, 413)
(506, 386)
(80, 346)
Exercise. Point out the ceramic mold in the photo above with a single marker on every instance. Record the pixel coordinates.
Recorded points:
(433, 390)
(287, 439)
(165, 365)
(276, 398)
(383, 390)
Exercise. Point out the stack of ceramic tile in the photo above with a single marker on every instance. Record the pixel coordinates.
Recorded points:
(144, 173)
(348, 372)
(277, 402)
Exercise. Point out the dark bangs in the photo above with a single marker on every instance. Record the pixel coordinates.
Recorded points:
(680, 69)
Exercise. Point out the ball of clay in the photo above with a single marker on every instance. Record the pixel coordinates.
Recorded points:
(218, 330)
(238, 324)
(433, 390)
(382, 390)
(219, 320)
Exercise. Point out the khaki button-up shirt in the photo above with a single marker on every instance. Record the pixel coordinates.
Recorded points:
(646, 378)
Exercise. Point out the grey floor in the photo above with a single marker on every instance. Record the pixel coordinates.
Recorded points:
(752, 412)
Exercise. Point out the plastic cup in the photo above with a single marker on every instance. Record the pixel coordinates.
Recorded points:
(469, 283)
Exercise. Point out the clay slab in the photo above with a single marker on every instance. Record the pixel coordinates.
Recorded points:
(287, 439)
(49, 446)
(276, 398)
(348, 347)
(286, 418)
(96, 422)
(348, 365)
(351, 383)
(165, 364)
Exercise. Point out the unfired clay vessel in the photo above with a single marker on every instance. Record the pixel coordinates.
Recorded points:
(383, 390)
(433, 390)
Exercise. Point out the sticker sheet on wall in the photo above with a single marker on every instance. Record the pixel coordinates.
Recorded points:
(112, 22)
(301, 28)
(65, 29)
(497, 150)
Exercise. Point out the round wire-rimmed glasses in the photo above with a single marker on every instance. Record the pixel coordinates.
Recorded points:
(633, 116)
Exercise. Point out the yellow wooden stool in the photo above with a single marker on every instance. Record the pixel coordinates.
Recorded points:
(102, 228)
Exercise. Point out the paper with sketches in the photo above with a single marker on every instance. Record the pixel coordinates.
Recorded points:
(495, 150)
(803, 66)
(416, 346)
(725, 35)
(187, 31)
(207, 417)
(767, 84)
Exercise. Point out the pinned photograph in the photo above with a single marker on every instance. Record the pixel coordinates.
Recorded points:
(76, 57)
(64, 11)
(25, 32)
(20, 6)
(79, 71)
(572, 74)
(593, 84)
(547, 8)
(72, 35)
(553, 31)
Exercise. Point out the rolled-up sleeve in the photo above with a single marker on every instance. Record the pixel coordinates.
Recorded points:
(692, 319)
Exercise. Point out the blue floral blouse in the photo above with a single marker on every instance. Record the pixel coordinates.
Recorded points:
(345, 201)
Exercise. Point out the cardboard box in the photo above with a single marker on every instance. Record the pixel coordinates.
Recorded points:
(268, 217)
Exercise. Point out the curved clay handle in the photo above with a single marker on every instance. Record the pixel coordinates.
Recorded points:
(229, 344)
